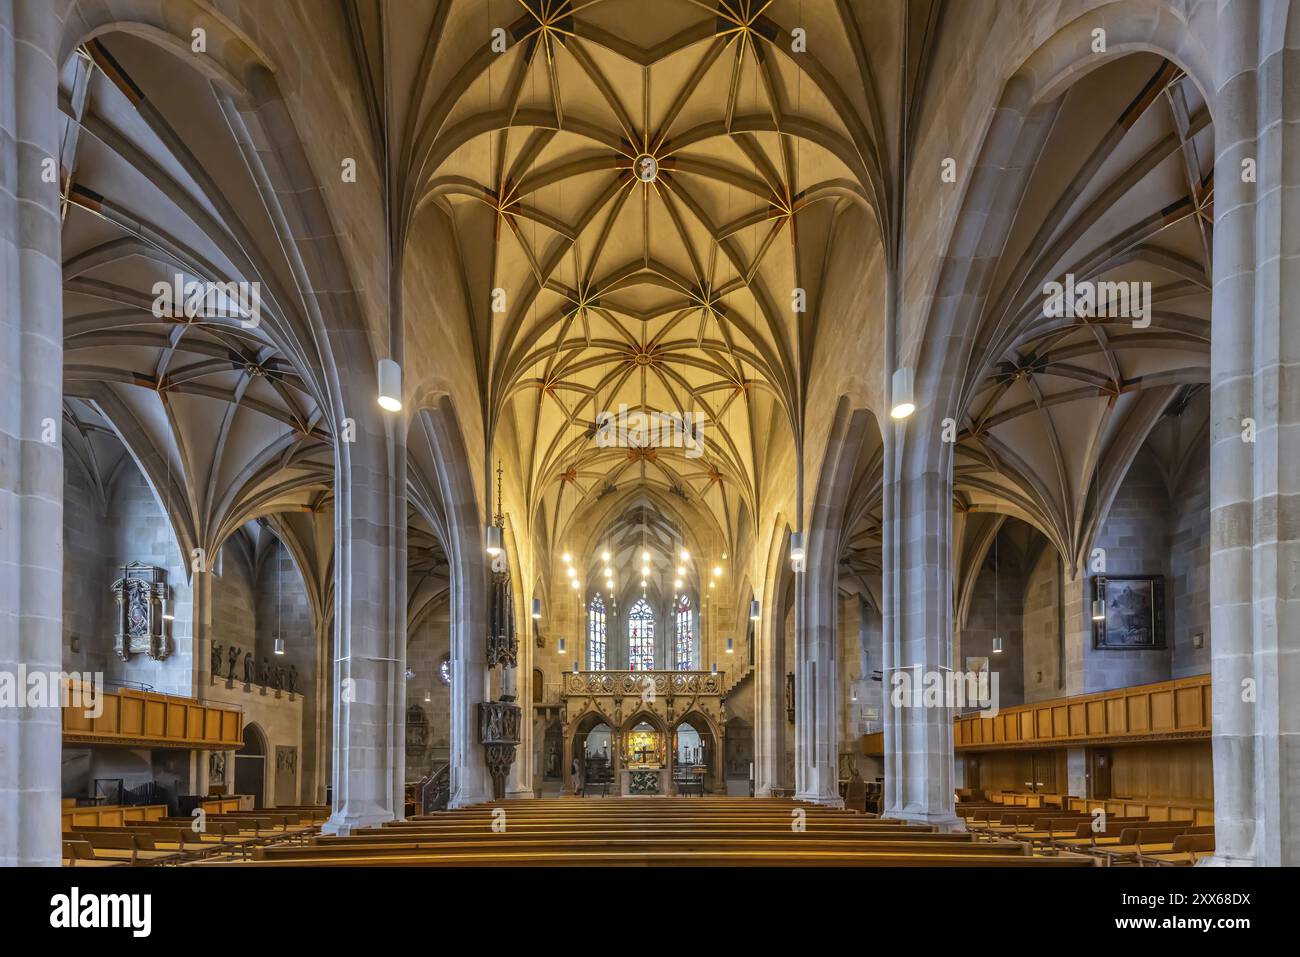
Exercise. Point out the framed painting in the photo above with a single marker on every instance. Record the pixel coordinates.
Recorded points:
(1135, 612)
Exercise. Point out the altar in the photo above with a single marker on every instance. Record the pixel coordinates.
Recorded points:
(643, 762)
(643, 780)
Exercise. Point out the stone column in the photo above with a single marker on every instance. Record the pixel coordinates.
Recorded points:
(769, 701)
(1255, 437)
(370, 596)
(520, 784)
(918, 632)
(31, 453)
(816, 716)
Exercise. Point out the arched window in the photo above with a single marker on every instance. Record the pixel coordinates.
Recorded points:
(684, 646)
(641, 637)
(596, 634)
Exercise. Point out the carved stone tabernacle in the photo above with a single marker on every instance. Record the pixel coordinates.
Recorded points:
(140, 594)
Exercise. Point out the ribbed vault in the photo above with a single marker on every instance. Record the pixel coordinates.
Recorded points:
(636, 193)
(1056, 408)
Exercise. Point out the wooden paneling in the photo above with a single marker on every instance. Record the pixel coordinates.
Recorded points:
(1179, 708)
(148, 719)
(1176, 708)
(111, 815)
(1163, 772)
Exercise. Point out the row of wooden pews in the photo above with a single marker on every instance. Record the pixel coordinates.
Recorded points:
(654, 831)
(1113, 840)
(175, 840)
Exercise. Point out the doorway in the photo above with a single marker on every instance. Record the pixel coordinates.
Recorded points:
(250, 766)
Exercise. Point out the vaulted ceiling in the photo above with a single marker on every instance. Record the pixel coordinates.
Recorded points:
(1122, 191)
(636, 193)
(221, 422)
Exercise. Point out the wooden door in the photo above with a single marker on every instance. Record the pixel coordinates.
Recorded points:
(1099, 764)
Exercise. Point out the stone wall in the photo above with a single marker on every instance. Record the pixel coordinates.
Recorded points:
(234, 606)
(1189, 570)
(1041, 628)
(995, 611)
(88, 606)
(1135, 538)
(95, 549)
(426, 645)
(280, 719)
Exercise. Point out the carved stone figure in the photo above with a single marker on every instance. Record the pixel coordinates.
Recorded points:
(277, 678)
(264, 673)
(234, 660)
(250, 668)
(293, 679)
(217, 658)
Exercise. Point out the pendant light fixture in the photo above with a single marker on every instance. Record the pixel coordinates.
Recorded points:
(731, 645)
(561, 644)
(390, 386)
(537, 608)
(168, 613)
(997, 568)
(796, 551)
(753, 610)
(1098, 603)
(495, 530)
(902, 401)
(390, 373)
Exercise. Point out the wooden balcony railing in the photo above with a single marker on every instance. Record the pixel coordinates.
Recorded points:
(1166, 710)
(133, 718)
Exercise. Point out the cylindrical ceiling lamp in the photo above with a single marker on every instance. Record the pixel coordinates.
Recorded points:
(902, 405)
(494, 540)
(753, 610)
(561, 645)
(537, 608)
(390, 386)
(731, 645)
(279, 646)
(1099, 609)
(796, 550)
(997, 646)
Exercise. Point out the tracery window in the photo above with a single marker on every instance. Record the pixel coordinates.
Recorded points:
(684, 644)
(596, 634)
(641, 637)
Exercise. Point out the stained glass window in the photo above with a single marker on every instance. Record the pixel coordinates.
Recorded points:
(596, 634)
(684, 653)
(641, 637)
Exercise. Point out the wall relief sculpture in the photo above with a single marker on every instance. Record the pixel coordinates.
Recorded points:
(141, 595)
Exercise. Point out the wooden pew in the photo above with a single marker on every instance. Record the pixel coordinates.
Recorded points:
(738, 858)
(795, 844)
(1045, 830)
(662, 831)
(79, 853)
(132, 848)
(1151, 838)
(1187, 849)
